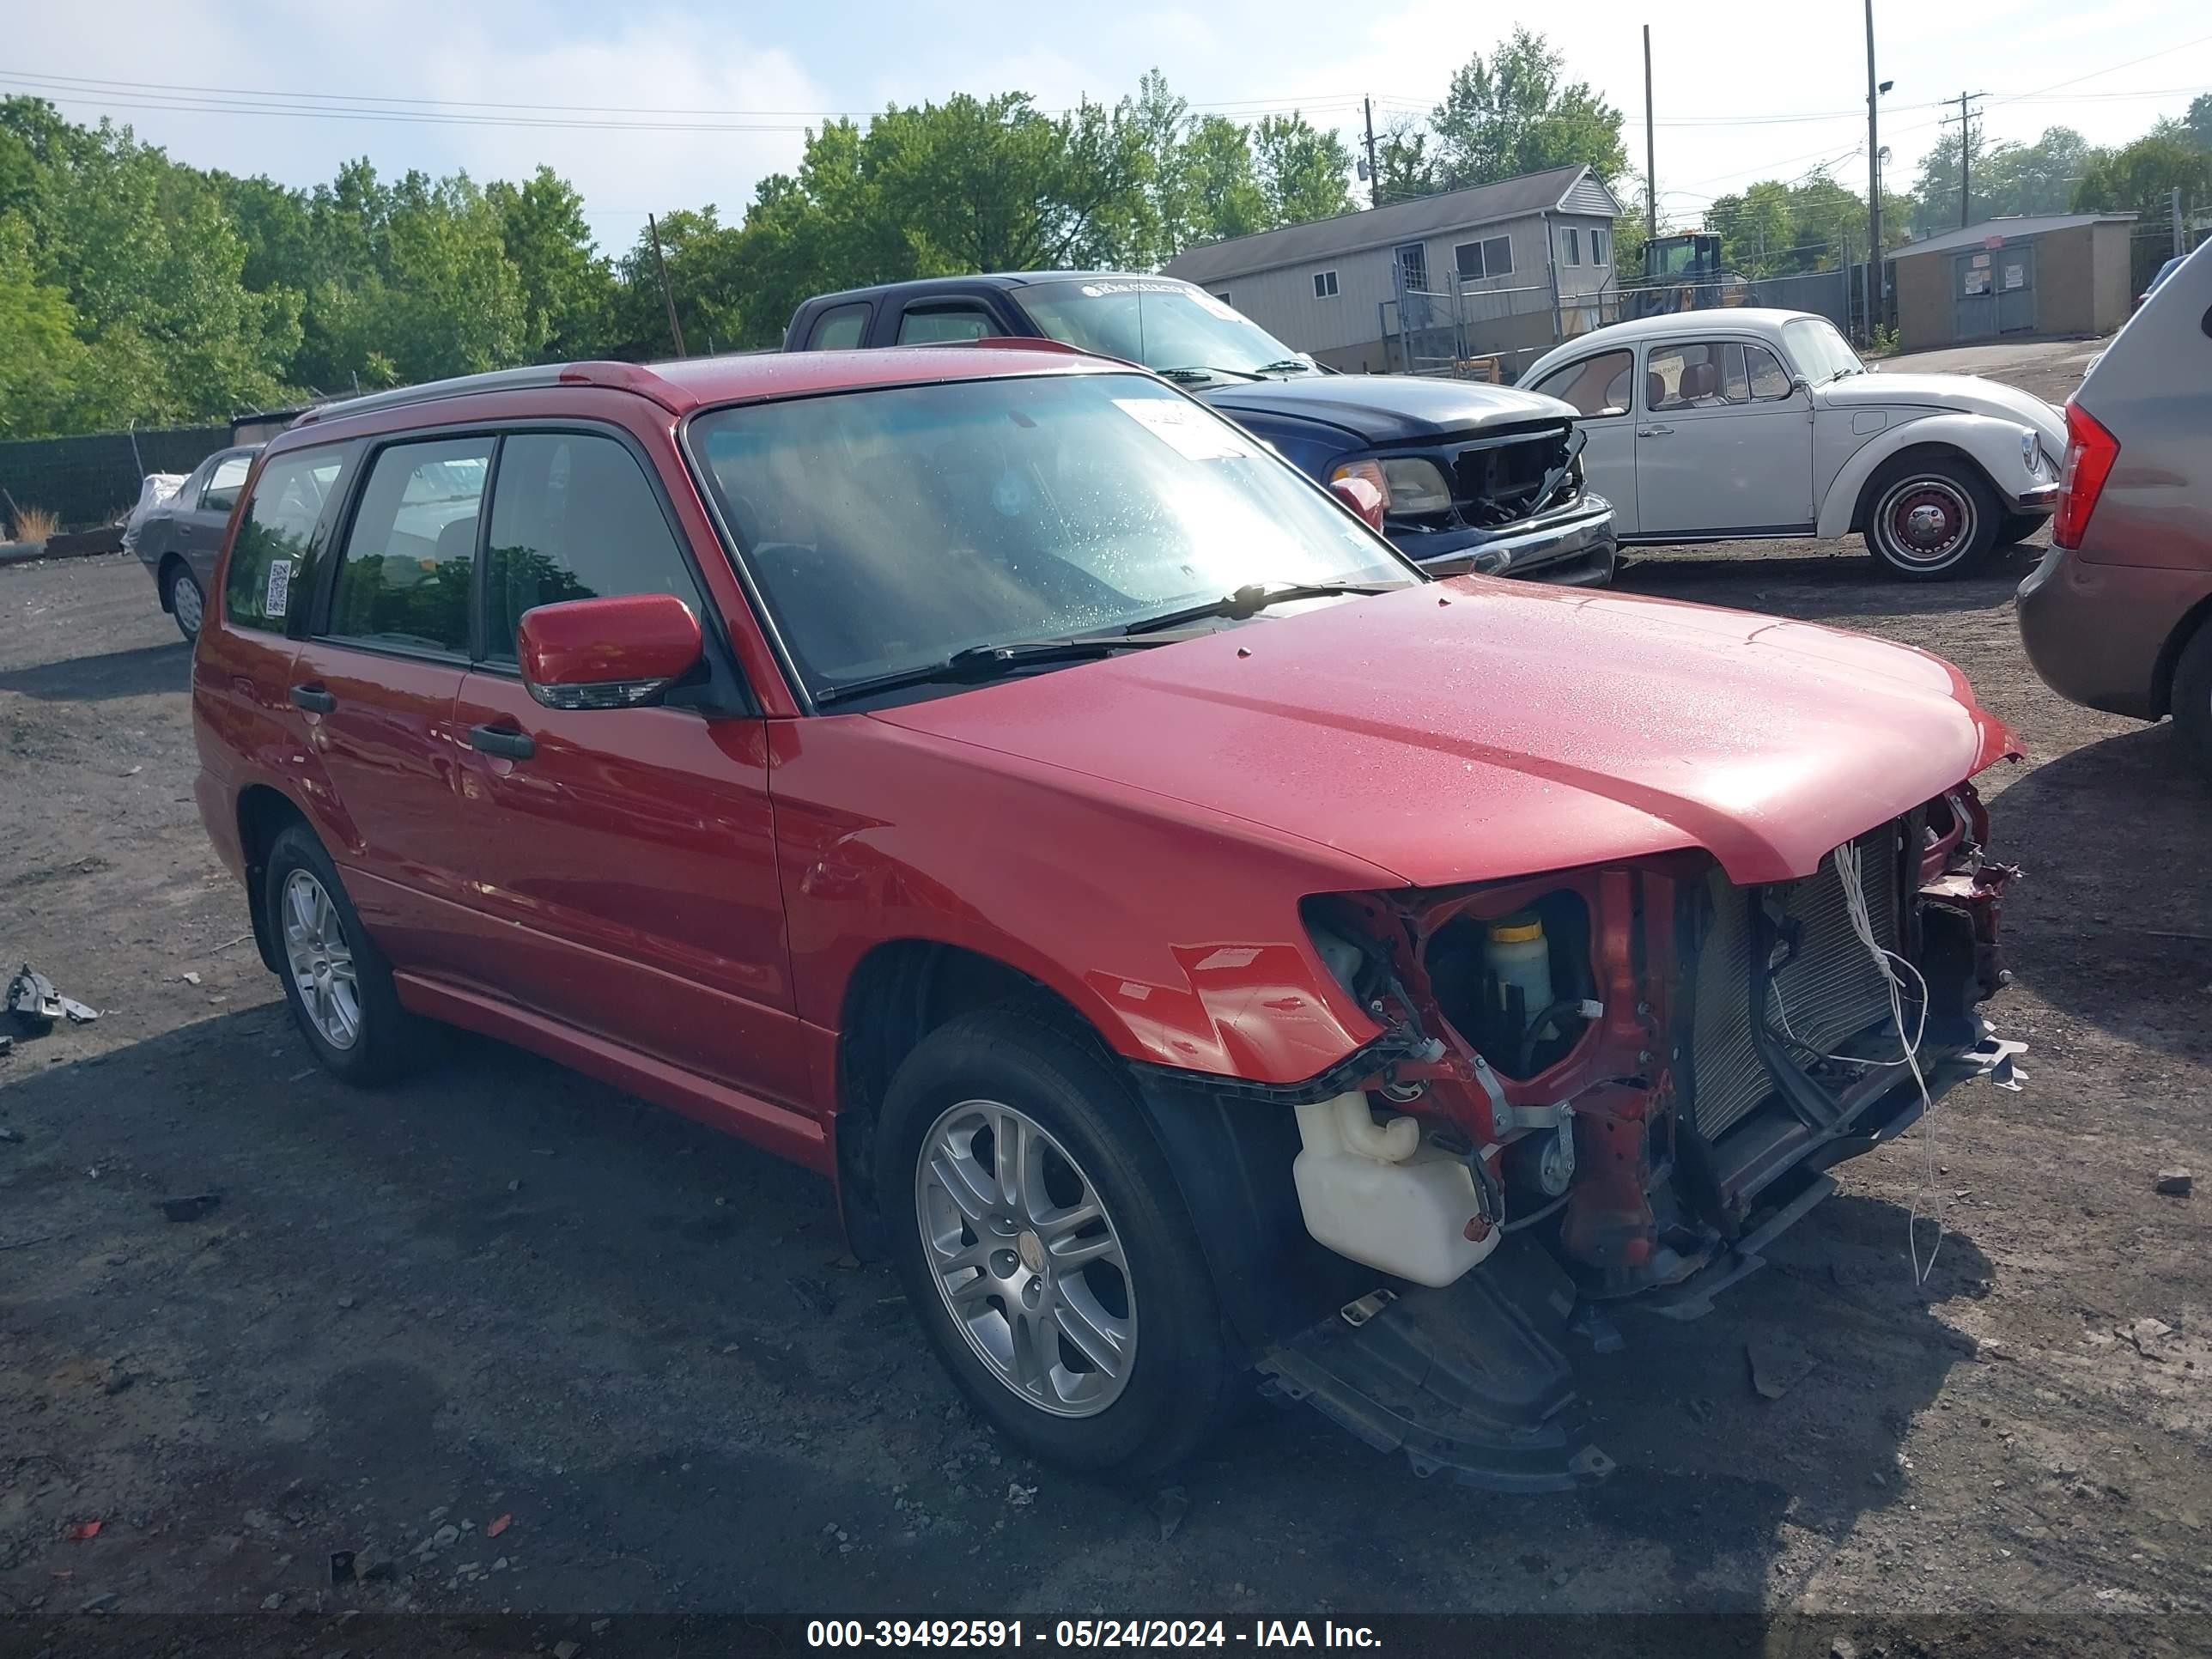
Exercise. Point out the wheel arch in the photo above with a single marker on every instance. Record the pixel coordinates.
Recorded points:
(1983, 443)
(1230, 1158)
(264, 813)
(2197, 617)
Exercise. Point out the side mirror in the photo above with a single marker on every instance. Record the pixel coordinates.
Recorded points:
(1364, 500)
(1798, 383)
(607, 653)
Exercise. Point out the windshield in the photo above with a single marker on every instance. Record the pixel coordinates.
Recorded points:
(1821, 354)
(888, 529)
(1160, 323)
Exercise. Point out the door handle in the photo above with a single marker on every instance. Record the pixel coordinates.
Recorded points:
(313, 698)
(1660, 431)
(502, 740)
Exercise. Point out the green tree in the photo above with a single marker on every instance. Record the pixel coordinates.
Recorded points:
(1227, 199)
(1302, 170)
(568, 290)
(41, 359)
(1508, 114)
(1404, 165)
(2198, 121)
(2140, 177)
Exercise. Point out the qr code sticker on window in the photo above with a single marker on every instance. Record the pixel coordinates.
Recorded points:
(280, 589)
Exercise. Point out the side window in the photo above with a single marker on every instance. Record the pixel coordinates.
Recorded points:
(939, 323)
(410, 558)
(839, 329)
(1467, 261)
(1597, 245)
(1699, 376)
(1768, 377)
(1497, 256)
(1572, 239)
(224, 484)
(573, 517)
(1324, 285)
(1595, 386)
(276, 538)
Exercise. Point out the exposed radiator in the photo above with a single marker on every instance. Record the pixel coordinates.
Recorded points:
(1829, 988)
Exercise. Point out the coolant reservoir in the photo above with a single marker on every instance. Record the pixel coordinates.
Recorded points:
(1381, 1195)
(1519, 958)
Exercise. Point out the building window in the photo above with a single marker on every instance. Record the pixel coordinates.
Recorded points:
(1598, 238)
(1324, 285)
(1572, 239)
(1413, 267)
(1491, 256)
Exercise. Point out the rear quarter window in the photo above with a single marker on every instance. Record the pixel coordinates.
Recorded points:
(280, 532)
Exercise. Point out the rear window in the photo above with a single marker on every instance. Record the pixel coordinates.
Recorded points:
(838, 329)
(277, 536)
(223, 487)
(410, 557)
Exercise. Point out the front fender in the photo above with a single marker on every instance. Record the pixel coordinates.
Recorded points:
(1991, 444)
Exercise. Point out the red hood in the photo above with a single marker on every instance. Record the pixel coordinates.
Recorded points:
(1512, 730)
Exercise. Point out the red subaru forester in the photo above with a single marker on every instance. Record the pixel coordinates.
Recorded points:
(1195, 944)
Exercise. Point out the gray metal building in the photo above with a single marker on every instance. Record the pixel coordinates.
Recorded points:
(1497, 270)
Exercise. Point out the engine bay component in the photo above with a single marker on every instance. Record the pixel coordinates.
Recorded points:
(1381, 1195)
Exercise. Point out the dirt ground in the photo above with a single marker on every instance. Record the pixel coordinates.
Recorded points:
(504, 1291)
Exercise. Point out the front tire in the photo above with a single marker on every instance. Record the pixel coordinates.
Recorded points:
(1045, 1246)
(1930, 520)
(337, 983)
(2191, 698)
(185, 602)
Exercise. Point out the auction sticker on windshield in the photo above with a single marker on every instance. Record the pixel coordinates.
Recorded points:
(279, 594)
(1190, 431)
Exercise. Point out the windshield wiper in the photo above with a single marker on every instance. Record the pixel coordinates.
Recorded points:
(978, 663)
(1251, 600)
(1289, 365)
(1203, 373)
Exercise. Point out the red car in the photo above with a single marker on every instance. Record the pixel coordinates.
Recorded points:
(1192, 943)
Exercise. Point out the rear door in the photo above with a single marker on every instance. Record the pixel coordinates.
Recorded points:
(374, 684)
(1724, 441)
(203, 516)
(624, 861)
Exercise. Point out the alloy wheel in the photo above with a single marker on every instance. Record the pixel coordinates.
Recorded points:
(1926, 523)
(1019, 1245)
(321, 960)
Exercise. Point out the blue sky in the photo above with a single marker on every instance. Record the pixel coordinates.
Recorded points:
(692, 103)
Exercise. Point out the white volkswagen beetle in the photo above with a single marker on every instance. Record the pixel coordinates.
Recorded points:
(1715, 425)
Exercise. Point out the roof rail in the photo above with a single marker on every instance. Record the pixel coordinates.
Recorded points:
(622, 377)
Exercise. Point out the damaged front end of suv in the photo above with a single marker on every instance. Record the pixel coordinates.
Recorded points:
(1612, 1082)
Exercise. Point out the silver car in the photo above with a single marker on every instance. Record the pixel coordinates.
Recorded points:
(178, 540)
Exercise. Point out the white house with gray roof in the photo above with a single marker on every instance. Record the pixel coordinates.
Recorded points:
(1500, 261)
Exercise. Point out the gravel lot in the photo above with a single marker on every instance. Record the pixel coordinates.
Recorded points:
(504, 1291)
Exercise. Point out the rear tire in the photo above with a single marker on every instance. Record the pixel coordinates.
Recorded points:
(185, 601)
(337, 983)
(2191, 699)
(2016, 527)
(1930, 520)
(1115, 1364)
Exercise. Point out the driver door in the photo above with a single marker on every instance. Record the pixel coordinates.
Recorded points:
(1723, 443)
(1599, 387)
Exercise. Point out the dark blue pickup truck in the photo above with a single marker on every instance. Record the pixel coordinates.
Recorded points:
(1473, 478)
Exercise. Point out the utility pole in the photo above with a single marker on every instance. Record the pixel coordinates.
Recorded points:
(1966, 157)
(2174, 210)
(1651, 149)
(1874, 182)
(667, 294)
(1374, 177)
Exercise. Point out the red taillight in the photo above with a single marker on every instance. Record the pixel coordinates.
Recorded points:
(2090, 453)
